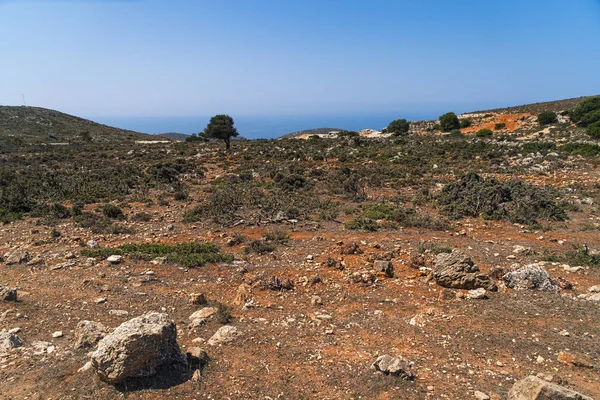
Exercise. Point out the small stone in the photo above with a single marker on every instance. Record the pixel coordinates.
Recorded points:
(477, 294)
(92, 243)
(316, 300)
(159, 261)
(119, 313)
(100, 300)
(86, 367)
(481, 396)
(225, 334)
(198, 299)
(9, 341)
(8, 294)
(115, 259)
(393, 366)
(540, 360)
(57, 334)
(573, 360)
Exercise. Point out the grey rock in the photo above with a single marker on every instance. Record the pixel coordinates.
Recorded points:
(477, 294)
(393, 366)
(384, 266)
(225, 334)
(8, 294)
(534, 388)
(17, 257)
(9, 341)
(530, 276)
(456, 270)
(137, 348)
(88, 333)
(114, 259)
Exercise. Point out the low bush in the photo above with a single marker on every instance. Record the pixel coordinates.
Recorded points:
(484, 133)
(547, 118)
(499, 126)
(188, 255)
(111, 211)
(514, 201)
(363, 224)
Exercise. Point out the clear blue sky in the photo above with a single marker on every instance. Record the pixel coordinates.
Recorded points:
(289, 57)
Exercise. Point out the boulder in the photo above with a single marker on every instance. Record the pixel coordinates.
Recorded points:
(225, 334)
(534, 388)
(17, 257)
(456, 270)
(9, 341)
(385, 267)
(199, 317)
(88, 333)
(393, 366)
(8, 294)
(477, 294)
(137, 348)
(530, 276)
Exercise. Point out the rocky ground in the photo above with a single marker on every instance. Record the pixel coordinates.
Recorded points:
(309, 318)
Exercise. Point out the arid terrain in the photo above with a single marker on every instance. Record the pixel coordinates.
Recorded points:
(324, 258)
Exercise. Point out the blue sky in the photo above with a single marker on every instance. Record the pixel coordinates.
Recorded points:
(295, 57)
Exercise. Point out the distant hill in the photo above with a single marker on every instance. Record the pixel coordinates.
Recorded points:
(35, 125)
(315, 131)
(536, 108)
(174, 136)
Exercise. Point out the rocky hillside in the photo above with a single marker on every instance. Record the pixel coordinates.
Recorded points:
(35, 125)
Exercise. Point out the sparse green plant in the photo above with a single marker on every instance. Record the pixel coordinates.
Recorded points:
(547, 118)
(449, 121)
(484, 133)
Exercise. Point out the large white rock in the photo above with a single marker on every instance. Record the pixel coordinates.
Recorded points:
(534, 388)
(137, 348)
(225, 334)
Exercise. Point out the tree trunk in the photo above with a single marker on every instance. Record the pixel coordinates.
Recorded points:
(227, 143)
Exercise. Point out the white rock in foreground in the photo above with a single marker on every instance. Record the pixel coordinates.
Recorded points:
(137, 348)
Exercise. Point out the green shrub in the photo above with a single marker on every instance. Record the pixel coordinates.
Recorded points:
(466, 122)
(260, 247)
(514, 201)
(499, 126)
(276, 236)
(348, 134)
(594, 130)
(111, 211)
(180, 195)
(398, 127)
(188, 255)
(449, 121)
(142, 217)
(363, 224)
(432, 247)
(456, 133)
(484, 133)
(581, 149)
(547, 118)
(587, 112)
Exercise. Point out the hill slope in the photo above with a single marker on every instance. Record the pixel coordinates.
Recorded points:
(536, 108)
(40, 125)
(174, 136)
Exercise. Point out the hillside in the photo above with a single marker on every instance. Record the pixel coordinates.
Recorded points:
(174, 136)
(35, 125)
(536, 108)
(309, 132)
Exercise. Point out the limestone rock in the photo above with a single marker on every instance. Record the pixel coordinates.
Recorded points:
(384, 266)
(88, 333)
(137, 348)
(534, 388)
(8, 294)
(198, 299)
(9, 341)
(456, 270)
(477, 294)
(393, 366)
(17, 257)
(225, 334)
(114, 259)
(530, 276)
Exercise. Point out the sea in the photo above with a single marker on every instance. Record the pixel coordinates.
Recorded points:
(262, 127)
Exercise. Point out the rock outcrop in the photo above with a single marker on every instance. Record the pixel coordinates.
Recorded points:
(137, 348)
(456, 270)
(530, 277)
(534, 388)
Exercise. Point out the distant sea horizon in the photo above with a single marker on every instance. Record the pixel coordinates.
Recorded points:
(261, 127)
